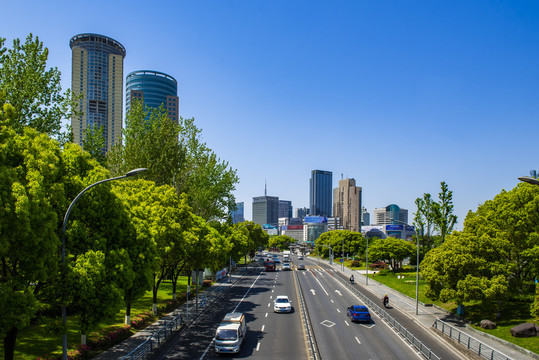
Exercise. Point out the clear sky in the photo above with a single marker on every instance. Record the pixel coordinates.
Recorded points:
(399, 95)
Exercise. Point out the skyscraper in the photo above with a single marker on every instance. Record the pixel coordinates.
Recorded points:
(97, 75)
(266, 210)
(285, 209)
(237, 214)
(321, 188)
(383, 216)
(154, 89)
(347, 205)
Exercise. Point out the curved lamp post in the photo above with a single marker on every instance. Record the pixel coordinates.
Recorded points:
(66, 217)
(417, 266)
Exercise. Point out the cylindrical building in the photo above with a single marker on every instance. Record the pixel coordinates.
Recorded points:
(154, 89)
(97, 74)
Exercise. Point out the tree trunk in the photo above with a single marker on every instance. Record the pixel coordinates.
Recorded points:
(128, 314)
(9, 344)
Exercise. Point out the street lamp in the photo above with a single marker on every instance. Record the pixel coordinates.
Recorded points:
(417, 266)
(66, 217)
(367, 260)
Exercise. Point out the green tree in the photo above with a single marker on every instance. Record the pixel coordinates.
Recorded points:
(142, 250)
(442, 212)
(495, 255)
(33, 90)
(30, 191)
(281, 242)
(424, 222)
(392, 250)
(93, 141)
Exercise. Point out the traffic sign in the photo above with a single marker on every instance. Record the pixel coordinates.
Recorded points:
(342, 260)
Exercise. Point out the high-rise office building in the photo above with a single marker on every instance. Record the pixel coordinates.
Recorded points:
(285, 209)
(154, 89)
(266, 210)
(302, 212)
(97, 75)
(237, 215)
(347, 205)
(321, 188)
(383, 216)
(365, 217)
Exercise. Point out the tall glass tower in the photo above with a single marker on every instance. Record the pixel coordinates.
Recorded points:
(97, 75)
(321, 192)
(154, 89)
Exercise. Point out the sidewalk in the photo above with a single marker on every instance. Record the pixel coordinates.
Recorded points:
(428, 315)
(128, 345)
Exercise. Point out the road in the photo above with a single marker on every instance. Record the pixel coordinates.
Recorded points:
(271, 335)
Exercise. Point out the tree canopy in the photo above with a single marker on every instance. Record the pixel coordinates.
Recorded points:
(495, 255)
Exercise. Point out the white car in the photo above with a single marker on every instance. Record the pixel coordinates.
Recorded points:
(286, 266)
(282, 304)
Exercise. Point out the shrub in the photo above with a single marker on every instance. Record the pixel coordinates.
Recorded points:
(355, 263)
(206, 283)
(109, 337)
(80, 352)
(168, 306)
(142, 320)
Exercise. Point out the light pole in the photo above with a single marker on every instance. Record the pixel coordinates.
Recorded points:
(417, 266)
(66, 217)
(367, 261)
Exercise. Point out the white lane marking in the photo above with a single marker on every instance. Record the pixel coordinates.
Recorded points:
(338, 292)
(271, 297)
(333, 302)
(321, 286)
(312, 290)
(263, 326)
(339, 311)
(272, 290)
(347, 324)
(266, 315)
(269, 304)
(359, 342)
(258, 346)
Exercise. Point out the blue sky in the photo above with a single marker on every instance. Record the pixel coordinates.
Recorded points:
(399, 95)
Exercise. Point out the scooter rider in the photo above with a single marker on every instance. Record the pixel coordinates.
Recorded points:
(352, 278)
(386, 300)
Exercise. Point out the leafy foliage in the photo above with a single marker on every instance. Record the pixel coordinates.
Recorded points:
(495, 255)
(33, 90)
(391, 249)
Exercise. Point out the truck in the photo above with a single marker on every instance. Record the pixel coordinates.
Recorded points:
(230, 334)
(286, 255)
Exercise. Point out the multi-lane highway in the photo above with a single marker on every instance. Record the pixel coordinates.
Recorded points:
(271, 335)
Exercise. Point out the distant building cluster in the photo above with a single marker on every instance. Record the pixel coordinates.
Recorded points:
(97, 76)
(330, 208)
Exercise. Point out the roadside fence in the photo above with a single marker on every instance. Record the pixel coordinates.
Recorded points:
(471, 343)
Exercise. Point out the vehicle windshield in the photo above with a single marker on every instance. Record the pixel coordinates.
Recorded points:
(282, 300)
(228, 334)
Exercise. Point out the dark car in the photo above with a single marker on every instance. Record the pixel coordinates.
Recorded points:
(359, 313)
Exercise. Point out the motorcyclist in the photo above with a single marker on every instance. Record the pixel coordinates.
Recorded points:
(386, 300)
(352, 278)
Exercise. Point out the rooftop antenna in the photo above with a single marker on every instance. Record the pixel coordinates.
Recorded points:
(341, 176)
(265, 188)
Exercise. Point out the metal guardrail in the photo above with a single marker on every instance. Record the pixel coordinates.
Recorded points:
(313, 347)
(416, 343)
(471, 343)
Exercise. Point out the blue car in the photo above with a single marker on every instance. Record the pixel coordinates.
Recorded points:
(359, 313)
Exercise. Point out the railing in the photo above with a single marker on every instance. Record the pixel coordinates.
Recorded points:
(471, 343)
(313, 348)
(416, 343)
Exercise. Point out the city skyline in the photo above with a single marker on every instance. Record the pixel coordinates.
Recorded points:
(399, 97)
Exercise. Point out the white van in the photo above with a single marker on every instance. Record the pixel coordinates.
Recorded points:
(230, 334)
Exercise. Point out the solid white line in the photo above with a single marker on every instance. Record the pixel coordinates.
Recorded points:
(263, 326)
(258, 346)
(359, 342)
(321, 286)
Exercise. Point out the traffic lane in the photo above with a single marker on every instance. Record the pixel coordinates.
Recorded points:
(430, 339)
(377, 338)
(329, 328)
(284, 336)
(197, 340)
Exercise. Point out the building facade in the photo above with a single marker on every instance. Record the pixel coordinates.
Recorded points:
(154, 89)
(383, 216)
(313, 227)
(285, 209)
(97, 76)
(321, 190)
(238, 215)
(347, 204)
(302, 212)
(365, 217)
(266, 210)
